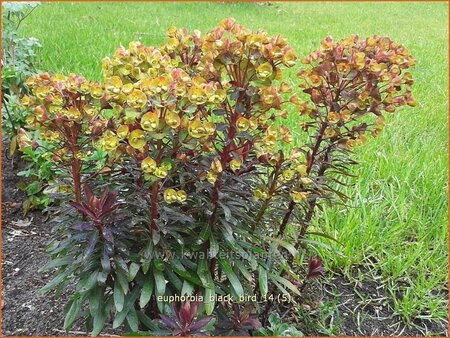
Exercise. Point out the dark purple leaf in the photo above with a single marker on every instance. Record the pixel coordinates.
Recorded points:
(185, 313)
(88, 193)
(83, 226)
(169, 322)
(91, 246)
(106, 265)
(246, 312)
(78, 206)
(252, 322)
(107, 234)
(105, 211)
(83, 209)
(103, 199)
(176, 312)
(315, 268)
(199, 324)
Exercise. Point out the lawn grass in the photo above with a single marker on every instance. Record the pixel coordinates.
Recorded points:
(396, 223)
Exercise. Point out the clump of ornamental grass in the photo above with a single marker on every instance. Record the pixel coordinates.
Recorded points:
(195, 187)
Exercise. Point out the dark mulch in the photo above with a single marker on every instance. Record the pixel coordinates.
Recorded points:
(24, 312)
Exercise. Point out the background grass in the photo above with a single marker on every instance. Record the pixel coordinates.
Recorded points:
(396, 223)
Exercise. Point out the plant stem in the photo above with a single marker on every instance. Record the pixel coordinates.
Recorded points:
(312, 204)
(272, 187)
(154, 205)
(13, 127)
(76, 176)
(155, 190)
(311, 161)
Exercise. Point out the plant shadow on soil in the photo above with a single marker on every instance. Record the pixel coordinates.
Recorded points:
(340, 307)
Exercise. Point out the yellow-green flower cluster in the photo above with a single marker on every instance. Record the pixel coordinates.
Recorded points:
(372, 78)
(152, 170)
(172, 196)
(167, 95)
(64, 109)
(218, 101)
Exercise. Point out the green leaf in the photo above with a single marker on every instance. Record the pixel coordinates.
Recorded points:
(280, 287)
(207, 280)
(213, 246)
(210, 296)
(288, 246)
(286, 283)
(55, 281)
(26, 206)
(321, 234)
(123, 280)
(95, 299)
(120, 317)
(72, 313)
(262, 280)
(205, 233)
(159, 264)
(146, 256)
(147, 291)
(89, 283)
(56, 263)
(119, 296)
(160, 282)
(160, 288)
(314, 244)
(13, 146)
(182, 272)
(144, 319)
(132, 271)
(243, 269)
(187, 288)
(99, 322)
(226, 211)
(234, 280)
(130, 298)
(33, 188)
(132, 320)
(174, 279)
(203, 271)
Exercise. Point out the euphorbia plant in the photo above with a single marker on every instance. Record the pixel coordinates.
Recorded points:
(351, 84)
(196, 122)
(66, 114)
(194, 130)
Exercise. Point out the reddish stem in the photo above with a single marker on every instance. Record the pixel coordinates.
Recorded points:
(266, 203)
(76, 176)
(155, 190)
(72, 138)
(154, 205)
(311, 161)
